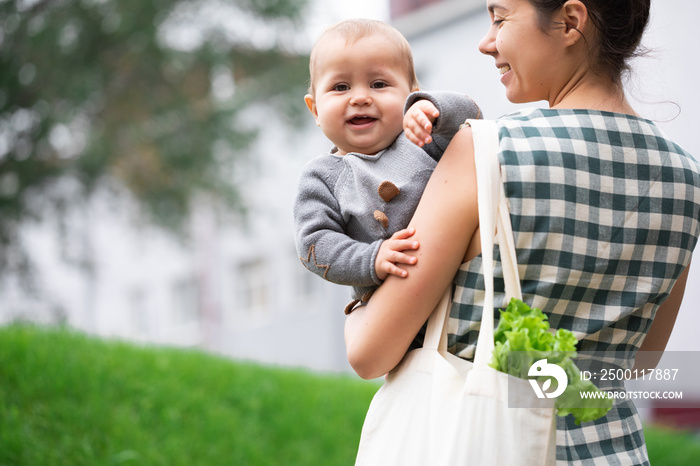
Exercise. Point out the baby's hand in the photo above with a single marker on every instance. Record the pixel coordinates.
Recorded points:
(390, 254)
(418, 122)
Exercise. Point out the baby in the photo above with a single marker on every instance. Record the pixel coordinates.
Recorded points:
(354, 202)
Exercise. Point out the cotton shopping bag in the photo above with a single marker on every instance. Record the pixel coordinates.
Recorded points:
(436, 409)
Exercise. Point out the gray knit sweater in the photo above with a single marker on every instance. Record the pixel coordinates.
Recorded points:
(347, 205)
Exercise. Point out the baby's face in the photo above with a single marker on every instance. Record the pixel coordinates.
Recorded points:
(360, 90)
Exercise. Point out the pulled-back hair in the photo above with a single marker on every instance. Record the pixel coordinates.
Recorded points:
(619, 25)
(353, 30)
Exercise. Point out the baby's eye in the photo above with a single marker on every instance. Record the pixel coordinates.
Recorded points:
(341, 87)
(379, 85)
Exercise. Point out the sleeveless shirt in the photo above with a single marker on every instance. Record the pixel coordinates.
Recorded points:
(606, 213)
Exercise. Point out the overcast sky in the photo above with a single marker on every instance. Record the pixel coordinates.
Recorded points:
(326, 12)
(378, 9)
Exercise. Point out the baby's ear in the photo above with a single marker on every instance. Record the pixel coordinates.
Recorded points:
(311, 104)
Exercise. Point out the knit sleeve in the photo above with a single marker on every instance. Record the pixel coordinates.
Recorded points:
(322, 244)
(454, 109)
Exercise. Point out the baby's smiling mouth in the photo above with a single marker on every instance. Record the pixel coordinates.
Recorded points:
(361, 120)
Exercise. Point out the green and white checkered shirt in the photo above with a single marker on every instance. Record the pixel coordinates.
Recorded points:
(606, 213)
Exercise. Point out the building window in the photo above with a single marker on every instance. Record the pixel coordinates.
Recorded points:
(138, 311)
(185, 301)
(306, 282)
(252, 286)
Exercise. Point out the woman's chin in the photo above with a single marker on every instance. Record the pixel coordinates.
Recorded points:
(519, 98)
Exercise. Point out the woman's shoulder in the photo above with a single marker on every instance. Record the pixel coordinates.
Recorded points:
(591, 125)
(594, 127)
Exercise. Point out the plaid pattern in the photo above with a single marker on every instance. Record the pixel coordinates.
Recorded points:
(606, 213)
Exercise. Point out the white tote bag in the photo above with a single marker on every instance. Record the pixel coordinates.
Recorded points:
(436, 409)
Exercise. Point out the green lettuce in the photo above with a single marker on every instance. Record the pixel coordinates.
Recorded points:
(523, 337)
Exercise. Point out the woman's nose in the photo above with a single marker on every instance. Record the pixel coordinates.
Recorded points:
(487, 45)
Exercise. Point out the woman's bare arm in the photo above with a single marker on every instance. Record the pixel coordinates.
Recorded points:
(656, 339)
(378, 335)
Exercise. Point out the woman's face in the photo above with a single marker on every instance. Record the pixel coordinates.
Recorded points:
(530, 61)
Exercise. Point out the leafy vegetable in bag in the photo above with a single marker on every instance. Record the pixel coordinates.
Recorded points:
(523, 337)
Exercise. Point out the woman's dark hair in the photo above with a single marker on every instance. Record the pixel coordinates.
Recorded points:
(620, 25)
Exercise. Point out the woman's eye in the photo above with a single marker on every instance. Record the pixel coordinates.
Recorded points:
(497, 22)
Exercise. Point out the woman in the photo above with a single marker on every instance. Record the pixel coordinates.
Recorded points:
(605, 211)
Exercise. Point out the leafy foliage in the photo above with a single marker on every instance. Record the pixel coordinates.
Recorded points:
(523, 337)
(150, 95)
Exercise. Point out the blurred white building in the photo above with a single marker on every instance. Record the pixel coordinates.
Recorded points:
(237, 288)
(240, 290)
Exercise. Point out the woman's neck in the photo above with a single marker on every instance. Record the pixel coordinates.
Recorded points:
(595, 92)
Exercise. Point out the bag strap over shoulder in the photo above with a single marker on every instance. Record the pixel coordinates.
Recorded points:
(494, 218)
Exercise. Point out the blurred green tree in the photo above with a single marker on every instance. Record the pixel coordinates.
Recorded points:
(145, 94)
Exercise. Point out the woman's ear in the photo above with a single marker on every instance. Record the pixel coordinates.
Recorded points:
(311, 105)
(574, 16)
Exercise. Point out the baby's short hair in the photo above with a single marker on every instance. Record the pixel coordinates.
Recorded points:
(354, 29)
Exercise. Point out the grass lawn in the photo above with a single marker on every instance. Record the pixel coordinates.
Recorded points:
(670, 447)
(70, 399)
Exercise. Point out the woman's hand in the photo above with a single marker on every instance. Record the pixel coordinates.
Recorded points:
(418, 122)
